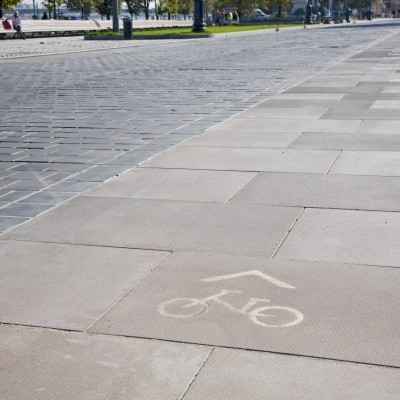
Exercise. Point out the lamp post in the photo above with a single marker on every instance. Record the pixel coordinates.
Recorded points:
(308, 13)
(115, 15)
(198, 18)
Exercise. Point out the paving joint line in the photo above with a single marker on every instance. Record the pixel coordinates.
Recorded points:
(213, 346)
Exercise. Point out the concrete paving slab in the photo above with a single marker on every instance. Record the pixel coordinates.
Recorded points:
(383, 114)
(362, 237)
(279, 102)
(162, 225)
(384, 163)
(348, 114)
(311, 96)
(24, 210)
(332, 141)
(9, 222)
(243, 139)
(386, 104)
(40, 364)
(344, 83)
(379, 127)
(317, 309)
(63, 286)
(211, 186)
(321, 191)
(391, 89)
(286, 113)
(285, 126)
(238, 374)
(245, 159)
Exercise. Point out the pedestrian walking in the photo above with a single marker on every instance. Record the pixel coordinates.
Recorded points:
(16, 23)
(222, 17)
(230, 17)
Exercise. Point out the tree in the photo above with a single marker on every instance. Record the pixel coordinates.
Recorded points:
(49, 4)
(104, 8)
(7, 5)
(59, 3)
(186, 7)
(84, 6)
(134, 7)
(172, 7)
(146, 8)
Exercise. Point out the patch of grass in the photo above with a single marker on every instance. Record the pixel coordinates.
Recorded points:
(211, 30)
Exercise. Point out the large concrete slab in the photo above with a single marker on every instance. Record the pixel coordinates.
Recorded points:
(237, 124)
(64, 286)
(164, 225)
(362, 237)
(330, 311)
(232, 159)
(309, 112)
(38, 364)
(323, 191)
(311, 96)
(332, 141)
(243, 139)
(386, 104)
(238, 374)
(379, 127)
(384, 163)
(212, 186)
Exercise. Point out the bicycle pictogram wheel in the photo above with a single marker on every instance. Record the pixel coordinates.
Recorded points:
(183, 308)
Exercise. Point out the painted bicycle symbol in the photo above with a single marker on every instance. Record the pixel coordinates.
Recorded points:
(270, 316)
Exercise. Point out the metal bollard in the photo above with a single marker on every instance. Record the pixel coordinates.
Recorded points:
(127, 27)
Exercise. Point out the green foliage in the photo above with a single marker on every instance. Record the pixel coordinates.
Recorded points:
(7, 5)
(49, 4)
(79, 5)
(134, 7)
(186, 7)
(172, 6)
(103, 7)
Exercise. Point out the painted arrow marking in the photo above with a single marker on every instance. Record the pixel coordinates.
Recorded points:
(254, 272)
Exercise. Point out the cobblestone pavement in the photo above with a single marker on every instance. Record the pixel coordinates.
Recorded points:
(71, 121)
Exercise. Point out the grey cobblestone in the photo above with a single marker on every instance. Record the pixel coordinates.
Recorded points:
(79, 120)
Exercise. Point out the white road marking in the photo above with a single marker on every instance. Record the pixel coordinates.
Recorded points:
(254, 272)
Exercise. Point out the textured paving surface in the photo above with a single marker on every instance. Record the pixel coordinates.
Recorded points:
(243, 375)
(323, 313)
(246, 159)
(275, 231)
(45, 284)
(91, 117)
(175, 184)
(345, 236)
(320, 191)
(92, 367)
(164, 225)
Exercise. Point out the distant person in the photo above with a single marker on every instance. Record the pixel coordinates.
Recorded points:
(230, 17)
(16, 23)
(45, 15)
(222, 17)
(235, 16)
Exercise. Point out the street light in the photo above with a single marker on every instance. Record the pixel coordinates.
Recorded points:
(198, 17)
(115, 15)
(308, 13)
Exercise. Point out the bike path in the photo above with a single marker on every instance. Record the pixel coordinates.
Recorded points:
(224, 269)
